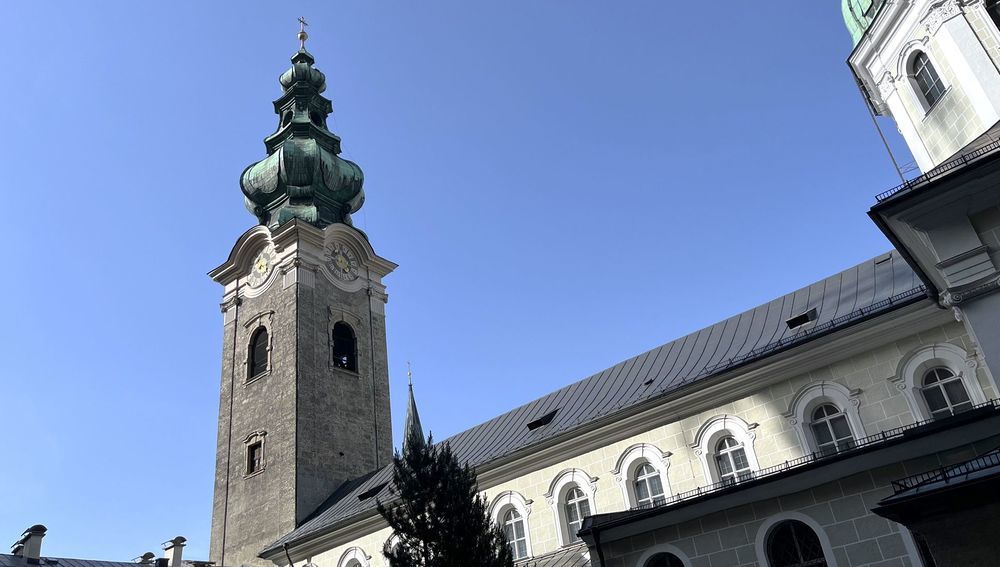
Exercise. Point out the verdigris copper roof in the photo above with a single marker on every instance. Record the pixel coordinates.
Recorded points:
(303, 177)
(869, 289)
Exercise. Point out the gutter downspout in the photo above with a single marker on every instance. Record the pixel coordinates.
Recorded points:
(597, 546)
(284, 546)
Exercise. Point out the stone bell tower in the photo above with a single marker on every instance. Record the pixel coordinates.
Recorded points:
(304, 400)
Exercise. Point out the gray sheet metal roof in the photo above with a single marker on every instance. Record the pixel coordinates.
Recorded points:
(871, 288)
(575, 556)
(7, 560)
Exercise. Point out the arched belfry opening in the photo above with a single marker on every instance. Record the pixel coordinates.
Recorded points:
(345, 347)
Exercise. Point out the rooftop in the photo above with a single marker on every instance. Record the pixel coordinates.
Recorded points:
(872, 288)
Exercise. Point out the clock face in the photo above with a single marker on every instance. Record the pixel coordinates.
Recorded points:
(343, 264)
(261, 267)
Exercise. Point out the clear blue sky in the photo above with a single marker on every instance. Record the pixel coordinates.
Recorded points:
(564, 184)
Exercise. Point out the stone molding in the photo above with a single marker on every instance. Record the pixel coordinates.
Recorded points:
(630, 459)
(912, 367)
(938, 14)
(556, 496)
(354, 554)
(712, 431)
(807, 399)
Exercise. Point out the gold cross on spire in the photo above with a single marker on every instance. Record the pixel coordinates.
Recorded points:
(303, 36)
(409, 372)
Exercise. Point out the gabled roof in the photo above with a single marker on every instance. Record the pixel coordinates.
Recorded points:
(871, 288)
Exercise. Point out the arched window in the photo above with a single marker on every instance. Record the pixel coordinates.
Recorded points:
(794, 544)
(513, 526)
(831, 429)
(577, 508)
(648, 487)
(257, 363)
(345, 347)
(926, 80)
(731, 460)
(945, 393)
(664, 560)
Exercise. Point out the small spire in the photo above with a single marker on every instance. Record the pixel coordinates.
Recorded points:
(303, 36)
(412, 428)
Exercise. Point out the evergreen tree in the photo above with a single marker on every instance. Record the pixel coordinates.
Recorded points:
(440, 519)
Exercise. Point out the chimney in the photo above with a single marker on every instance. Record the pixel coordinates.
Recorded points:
(29, 545)
(173, 551)
(145, 558)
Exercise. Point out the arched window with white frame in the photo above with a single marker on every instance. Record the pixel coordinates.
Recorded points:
(831, 430)
(927, 84)
(939, 381)
(354, 557)
(826, 418)
(510, 511)
(945, 393)
(724, 444)
(641, 473)
(792, 539)
(571, 496)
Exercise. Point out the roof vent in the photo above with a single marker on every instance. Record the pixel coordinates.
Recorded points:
(542, 421)
(371, 492)
(803, 319)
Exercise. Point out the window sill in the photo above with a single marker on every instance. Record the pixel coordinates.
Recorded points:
(257, 378)
(254, 473)
(937, 104)
(347, 371)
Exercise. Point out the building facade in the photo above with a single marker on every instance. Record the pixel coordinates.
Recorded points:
(780, 437)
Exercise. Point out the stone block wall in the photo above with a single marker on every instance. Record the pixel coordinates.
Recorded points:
(840, 511)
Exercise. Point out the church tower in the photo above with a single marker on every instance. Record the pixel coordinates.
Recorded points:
(934, 67)
(304, 400)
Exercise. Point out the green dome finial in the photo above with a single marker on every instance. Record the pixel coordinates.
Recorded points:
(303, 177)
(859, 15)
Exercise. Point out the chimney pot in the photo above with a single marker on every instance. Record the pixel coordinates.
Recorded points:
(145, 558)
(174, 550)
(29, 545)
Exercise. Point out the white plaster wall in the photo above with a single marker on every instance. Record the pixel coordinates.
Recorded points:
(882, 407)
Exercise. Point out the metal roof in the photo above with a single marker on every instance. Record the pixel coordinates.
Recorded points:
(871, 288)
(7, 560)
(574, 556)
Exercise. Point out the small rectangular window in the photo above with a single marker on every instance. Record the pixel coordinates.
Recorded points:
(255, 457)
(800, 320)
(371, 492)
(542, 421)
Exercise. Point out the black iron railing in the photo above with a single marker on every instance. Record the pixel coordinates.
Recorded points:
(948, 473)
(939, 170)
(815, 457)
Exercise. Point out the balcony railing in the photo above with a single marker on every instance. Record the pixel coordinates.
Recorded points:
(820, 456)
(948, 473)
(939, 170)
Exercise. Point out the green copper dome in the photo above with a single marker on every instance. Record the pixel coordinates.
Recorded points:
(303, 176)
(859, 15)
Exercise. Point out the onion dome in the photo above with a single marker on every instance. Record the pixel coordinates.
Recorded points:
(859, 15)
(303, 176)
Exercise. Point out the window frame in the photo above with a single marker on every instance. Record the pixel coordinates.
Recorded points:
(912, 368)
(334, 360)
(354, 554)
(652, 552)
(628, 464)
(251, 353)
(556, 498)
(812, 396)
(709, 435)
(935, 83)
(940, 385)
(837, 444)
(764, 530)
(510, 500)
(258, 440)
